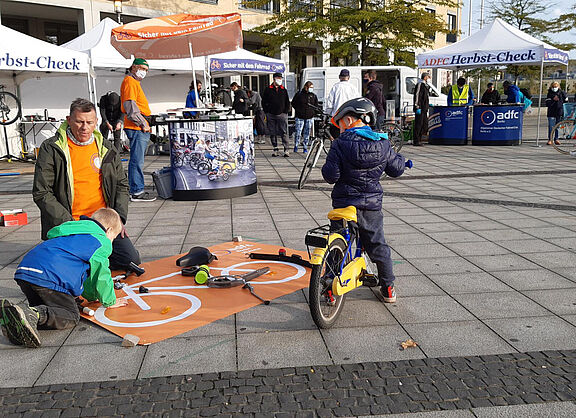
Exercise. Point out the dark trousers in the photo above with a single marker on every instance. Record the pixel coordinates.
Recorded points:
(117, 135)
(57, 310)
(371, 231)
(420, 127)
(123, 252)
(278, 127)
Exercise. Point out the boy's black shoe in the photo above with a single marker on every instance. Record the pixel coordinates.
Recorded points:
(388, 293)
(19, 324)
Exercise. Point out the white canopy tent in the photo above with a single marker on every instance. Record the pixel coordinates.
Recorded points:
(497, 44)
(23, 57)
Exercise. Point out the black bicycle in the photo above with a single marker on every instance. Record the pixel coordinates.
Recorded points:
(10, 107)
(317, 144)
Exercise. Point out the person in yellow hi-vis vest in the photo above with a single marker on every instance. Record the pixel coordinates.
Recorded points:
(460, 94)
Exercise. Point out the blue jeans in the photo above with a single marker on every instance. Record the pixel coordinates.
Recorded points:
(299, 124)
(138, 144)
(552, 120)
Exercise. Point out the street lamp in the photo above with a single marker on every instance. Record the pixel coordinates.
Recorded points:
(118, 8)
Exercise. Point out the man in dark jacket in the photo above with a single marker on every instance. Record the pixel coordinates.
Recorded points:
(555, 100)
(491, 95)
(375, 95)
(78, 172)
(305, 104)
(111, 114)
(240, 104)
(276, 105)
(421, 105)
(355, 163)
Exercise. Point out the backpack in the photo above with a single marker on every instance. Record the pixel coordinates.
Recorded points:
(526, 92)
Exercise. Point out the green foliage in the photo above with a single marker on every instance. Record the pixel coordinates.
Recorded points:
(357, 32)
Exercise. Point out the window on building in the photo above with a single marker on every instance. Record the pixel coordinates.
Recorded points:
(339, 4)
(272, 6)
(308, 6)
(452, 27)
(59, 33)
(431, 35)
(206, 1)
(20, 25)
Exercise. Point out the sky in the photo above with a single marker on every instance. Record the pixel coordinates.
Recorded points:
(556, 10)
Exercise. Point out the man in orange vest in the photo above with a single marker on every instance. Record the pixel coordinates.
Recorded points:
(461, 94)
(136, 126)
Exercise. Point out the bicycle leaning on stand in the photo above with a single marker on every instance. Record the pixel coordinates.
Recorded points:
(401, 132)
(316, 144)
(565, 132)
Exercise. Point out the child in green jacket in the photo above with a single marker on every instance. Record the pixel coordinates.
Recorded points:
(72, 262)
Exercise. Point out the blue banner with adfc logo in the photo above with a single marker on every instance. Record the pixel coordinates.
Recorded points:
(497, 124)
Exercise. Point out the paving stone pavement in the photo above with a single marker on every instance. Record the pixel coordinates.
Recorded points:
(483, 240)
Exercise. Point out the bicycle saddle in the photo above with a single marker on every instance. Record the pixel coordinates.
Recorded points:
(195, 257)
(348, 214)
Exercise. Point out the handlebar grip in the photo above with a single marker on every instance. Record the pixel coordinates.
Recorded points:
(409, 164)
(418, 111)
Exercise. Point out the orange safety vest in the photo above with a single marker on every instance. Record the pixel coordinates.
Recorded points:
(460, 99)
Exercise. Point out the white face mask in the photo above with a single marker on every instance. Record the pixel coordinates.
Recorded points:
(310, 90)
(278, 81)
(141, 74)
(554, 89)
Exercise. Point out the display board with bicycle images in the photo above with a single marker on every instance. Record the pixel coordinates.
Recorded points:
(175, 304)
(212, 159)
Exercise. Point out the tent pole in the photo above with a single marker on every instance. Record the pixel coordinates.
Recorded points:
(540, 101)
(193, 72)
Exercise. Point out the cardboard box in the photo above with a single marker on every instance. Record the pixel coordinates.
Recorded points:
(15, 217)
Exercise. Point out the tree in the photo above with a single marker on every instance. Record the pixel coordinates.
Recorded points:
(357, 31)
(522, 15)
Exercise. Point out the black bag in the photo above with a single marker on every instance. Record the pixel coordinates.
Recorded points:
(526, 92)
(195, 257)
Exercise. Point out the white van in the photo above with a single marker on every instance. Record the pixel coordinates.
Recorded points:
(399, 84)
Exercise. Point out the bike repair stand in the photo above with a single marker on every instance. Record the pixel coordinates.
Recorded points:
(9, 156)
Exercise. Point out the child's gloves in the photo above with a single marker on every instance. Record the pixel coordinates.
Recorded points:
(418, 111)
(409, 164)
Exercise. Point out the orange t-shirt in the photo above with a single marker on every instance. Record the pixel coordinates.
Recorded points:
(88, 194)
(131, 90)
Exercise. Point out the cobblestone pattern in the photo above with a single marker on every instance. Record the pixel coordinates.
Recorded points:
(323, 391)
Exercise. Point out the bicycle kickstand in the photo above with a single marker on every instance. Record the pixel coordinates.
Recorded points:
(251, 289)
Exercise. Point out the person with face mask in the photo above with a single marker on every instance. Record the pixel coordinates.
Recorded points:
(305, 103)
(421, 105)
(555, 103)
(491, 95)
(340, 92)
(276, 105)
(136, 126)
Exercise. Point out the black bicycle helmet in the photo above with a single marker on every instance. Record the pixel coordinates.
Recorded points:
(361, 107)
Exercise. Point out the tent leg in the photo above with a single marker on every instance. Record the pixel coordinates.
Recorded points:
(540, 102)
(194, 73)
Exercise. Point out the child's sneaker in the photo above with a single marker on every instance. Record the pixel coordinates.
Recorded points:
(19, 324)
(388, 293)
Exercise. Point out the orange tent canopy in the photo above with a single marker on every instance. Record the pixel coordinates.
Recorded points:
(170, 37)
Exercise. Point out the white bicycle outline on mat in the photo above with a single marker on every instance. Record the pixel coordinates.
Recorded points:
(196, 303)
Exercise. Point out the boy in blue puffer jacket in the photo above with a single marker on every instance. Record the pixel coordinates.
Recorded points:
(72, 262)
(355, 163)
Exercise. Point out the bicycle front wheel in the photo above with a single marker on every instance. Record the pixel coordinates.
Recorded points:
(310, 162)
(395, 135)
(566, 131)
(325, 307)
(10, 108)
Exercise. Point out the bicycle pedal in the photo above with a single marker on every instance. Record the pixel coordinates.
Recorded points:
(369, 280)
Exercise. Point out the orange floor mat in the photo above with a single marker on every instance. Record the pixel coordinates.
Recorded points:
(175, 304)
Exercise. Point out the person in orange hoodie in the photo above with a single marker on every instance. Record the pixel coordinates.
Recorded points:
(136, 126)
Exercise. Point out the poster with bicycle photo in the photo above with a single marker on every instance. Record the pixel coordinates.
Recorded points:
(212, 154)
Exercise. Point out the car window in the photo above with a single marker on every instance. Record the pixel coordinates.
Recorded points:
(411, 84)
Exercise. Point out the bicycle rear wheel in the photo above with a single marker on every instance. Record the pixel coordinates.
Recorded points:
(310, 162)
(566, 130)
(326, 307)
(395, 135)
(10, 108)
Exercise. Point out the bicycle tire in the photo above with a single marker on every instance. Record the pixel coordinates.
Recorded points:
(8, 103)
(310, 163)
(194, 161)
(203, 168)
(566, 136)
(323, 313)
(178, 161)
(395, 135)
